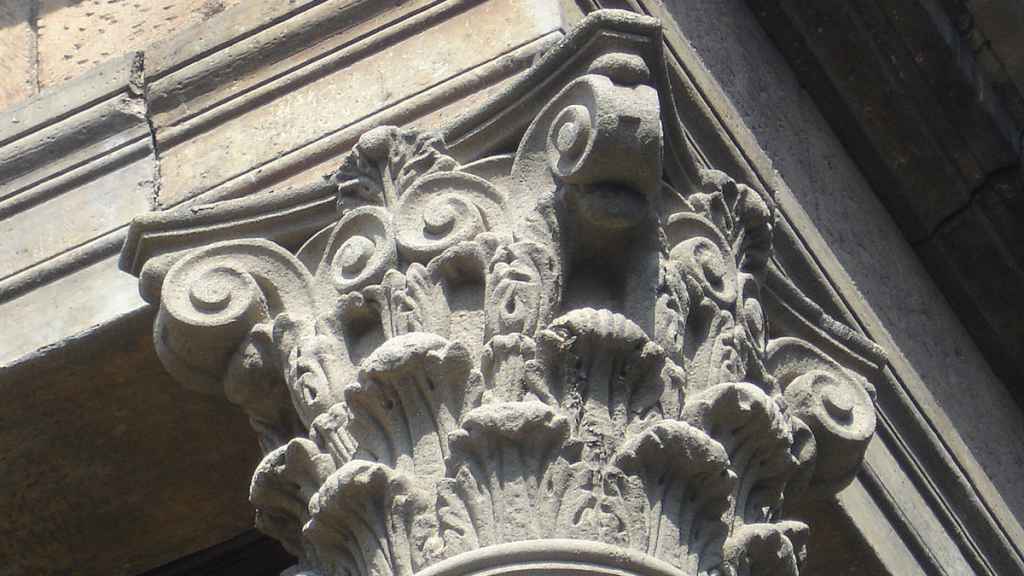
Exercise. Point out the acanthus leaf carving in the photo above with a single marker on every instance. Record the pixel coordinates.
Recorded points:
(386, 162)
(526, 348)
(500, 483)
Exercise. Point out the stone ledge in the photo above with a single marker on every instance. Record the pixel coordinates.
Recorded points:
(190, 117)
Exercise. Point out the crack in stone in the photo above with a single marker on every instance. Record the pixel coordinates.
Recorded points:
(1008, 176)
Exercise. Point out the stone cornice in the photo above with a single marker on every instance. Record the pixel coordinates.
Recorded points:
(914, 94)
(471, 135)
(135, 132)
(288, 216)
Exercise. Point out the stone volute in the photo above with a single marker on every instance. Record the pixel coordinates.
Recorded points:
(552, 360)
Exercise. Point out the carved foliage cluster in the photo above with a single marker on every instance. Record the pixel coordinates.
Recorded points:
(526, 347)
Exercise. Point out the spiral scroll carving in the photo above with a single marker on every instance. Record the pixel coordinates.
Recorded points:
(703, 258)
(214, 296)
(570, 140)
(583, 128)
(535, 348)
(444, 209)
(360, 251)
(834, 402)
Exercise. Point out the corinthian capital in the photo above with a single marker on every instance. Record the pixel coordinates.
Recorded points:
(556, 359)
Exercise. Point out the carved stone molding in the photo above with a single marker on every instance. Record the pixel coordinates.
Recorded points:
(551, 359)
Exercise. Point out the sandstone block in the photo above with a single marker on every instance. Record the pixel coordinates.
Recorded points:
(74, 36)
(17, 44)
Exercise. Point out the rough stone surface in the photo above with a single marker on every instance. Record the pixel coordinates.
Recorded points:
(978, 257)
(77, 166)
(834, 549)
(993, 29)
(916, 90)
(71, 294)
(17, 44)
(549, 356)
(100, 206)
(87, 149)
(348, 86)
(862, 234)
(109, 467)
(76, 35)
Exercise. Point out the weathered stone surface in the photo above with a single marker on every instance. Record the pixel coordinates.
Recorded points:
(950, 64)
(918, 115)
(42, 230)
(993, 29)
(88, 149)
(55, 310)
(902, 305)
(200, 81)
(17, 44)
(349, 85)
(109, 468)
(76, 35)
(836, 549)
(77, 167)
(977, 255)
(552, 355)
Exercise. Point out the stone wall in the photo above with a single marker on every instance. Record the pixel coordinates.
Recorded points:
(908, 313)
(48, 42)
(831, 188)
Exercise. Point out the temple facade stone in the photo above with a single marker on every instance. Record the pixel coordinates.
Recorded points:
(501, 286)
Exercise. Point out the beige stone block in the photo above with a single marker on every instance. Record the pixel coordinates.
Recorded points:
(414, 55)
(433, 121)
(96, 165)
(17, 46)
(76, 35)
(99, 206)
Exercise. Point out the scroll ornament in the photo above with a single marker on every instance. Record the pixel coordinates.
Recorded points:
(529, 350)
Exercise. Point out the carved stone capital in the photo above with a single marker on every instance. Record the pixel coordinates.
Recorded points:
(548, 360)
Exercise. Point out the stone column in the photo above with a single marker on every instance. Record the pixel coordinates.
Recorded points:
(549, 357)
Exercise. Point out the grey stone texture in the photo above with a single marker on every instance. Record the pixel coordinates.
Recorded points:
(229, 135)
(17, 44)
(915, 320)
(220, 112)
(929, 95)
(992, 30)
(86, 152)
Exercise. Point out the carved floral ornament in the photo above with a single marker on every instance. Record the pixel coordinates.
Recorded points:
(543, 362)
